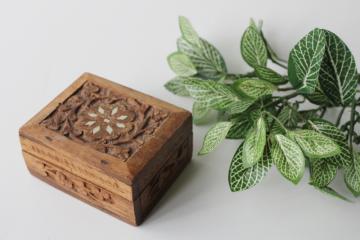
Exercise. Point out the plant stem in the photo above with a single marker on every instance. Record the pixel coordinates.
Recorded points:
(292, 95)
(352, 124)
(279, 64)
(233, 76)
(323, 111)
(285, 89)
(340, 116)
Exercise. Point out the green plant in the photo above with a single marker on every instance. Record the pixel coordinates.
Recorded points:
(270, 118)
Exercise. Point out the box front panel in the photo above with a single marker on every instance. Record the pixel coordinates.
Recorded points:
(81, 188)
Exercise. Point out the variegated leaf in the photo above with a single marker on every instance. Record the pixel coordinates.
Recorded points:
(239, 106)
(352, 176)
(289, 117)
(216, 95)
(269, 75)
(338, 74)
(181, 64)
(254, 143)
(315, 145)
(214, 136)
(288, 158)
(305, 61)
(239, 129)
(331, 131)
(188, 32)
(328, 190)
(207, 59)
(200, 111)
(322, 172)
(242, 178)
(176, 86)
(253, 87)
(253, 48)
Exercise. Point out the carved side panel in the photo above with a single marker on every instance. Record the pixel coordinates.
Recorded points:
(167, 174)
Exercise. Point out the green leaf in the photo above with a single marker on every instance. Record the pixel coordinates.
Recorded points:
(188, 32)
(314, 144)
(242, 178)
(254, 143)
(305, 61)
(216, 95)
(269, 75)
(331, 192)
(214, 136)
(322, 172)
(288, 158)
(239, 129)
(319, 97)
(200, 111)
(207, 59)
(239, 106)
(253, 48)
(289, 117)
(338, 74)
(181, 64)
(176, 86)
(352, 176)
(331, 131)
(253, 88)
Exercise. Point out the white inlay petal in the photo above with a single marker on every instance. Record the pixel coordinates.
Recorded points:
(122, 117)
(106, 120)
(92, 115)
(114, 111)
(101, 110)
(96, 129)
(90, 123)
(109, 129)
(120, 125)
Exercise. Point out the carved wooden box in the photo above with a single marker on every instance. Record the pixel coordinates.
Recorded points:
(110, 146)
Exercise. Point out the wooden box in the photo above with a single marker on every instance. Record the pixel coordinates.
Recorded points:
(108, 145)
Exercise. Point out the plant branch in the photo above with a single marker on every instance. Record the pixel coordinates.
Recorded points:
(279, 64)
(285, 89)
(352, 124)
(280, 99)
(340, 116)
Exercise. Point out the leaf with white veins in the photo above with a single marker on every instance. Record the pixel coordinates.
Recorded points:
(305, 61)
(254, 143)
(288, 158)
(315, 145)
(176, 86)
(322, 172)
(241, 177)
(214, 136)
(181, 64)
(338, 74)
(253, 87)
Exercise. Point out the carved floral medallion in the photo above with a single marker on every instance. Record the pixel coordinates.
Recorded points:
(107, 122)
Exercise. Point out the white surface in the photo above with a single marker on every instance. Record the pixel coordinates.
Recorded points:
(45, 45)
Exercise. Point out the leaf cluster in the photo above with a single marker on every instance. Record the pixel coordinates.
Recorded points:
(264, 109)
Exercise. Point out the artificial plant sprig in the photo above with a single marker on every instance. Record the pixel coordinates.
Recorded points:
(275, 129)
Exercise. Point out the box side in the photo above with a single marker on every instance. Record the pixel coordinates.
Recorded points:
(163, 179)
(82, 189)
(157, 152)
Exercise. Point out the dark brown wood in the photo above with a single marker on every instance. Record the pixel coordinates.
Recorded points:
(108, 145)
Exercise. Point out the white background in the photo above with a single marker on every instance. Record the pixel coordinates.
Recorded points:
(45, 45)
